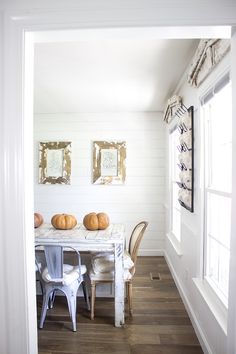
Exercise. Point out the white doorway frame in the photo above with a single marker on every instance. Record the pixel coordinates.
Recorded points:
(20, 332)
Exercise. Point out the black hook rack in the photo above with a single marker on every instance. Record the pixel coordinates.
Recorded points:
(184, 148)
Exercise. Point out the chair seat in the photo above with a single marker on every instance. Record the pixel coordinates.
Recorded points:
(109, 276)
(103, 267)
(70, 274)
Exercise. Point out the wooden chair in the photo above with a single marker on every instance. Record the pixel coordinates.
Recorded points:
(55, 275)
(103, 267)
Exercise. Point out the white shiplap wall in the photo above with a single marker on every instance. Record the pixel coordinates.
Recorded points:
(140, 198)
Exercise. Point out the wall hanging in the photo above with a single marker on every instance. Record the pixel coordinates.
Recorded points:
(173, 104)
(186, 157)
(208, 54)
(54, 162)
(109, 162)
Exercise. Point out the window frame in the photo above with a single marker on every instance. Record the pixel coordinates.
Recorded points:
(174, 238)
(216, 292)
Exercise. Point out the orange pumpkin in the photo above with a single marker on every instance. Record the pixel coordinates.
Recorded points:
(93, 221)
(38, 220)
(63, 221)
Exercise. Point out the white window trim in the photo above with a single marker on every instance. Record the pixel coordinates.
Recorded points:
(221, 193)
(216, 306)
(173, 239)
(211, 283)
(175, 243)
(219, 296)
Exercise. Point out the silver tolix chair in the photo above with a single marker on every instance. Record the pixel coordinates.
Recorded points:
(55, 275)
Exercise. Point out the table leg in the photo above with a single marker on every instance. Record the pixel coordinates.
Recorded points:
(119, 285)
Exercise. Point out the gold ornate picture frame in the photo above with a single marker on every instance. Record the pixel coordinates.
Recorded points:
(54, 162)
(109, 160)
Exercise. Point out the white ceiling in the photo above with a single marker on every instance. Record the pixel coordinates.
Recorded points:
(108, 75)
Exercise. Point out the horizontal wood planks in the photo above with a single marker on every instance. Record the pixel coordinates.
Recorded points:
(143, 194)
(160, 323)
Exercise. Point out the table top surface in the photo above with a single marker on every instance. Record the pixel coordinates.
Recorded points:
(46, 233)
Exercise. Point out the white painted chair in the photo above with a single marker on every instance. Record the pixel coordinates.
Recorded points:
(55, 275)
(103, 266)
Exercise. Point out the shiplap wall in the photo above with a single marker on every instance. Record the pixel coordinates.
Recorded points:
(142, 195)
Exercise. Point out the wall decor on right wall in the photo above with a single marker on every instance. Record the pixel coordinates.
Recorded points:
(186, 158)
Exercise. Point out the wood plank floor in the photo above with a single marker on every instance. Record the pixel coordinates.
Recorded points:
(160, 323)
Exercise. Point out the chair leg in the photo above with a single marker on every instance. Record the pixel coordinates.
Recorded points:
(86, 297)
(46, 296)
(130, 297)
(51, 299)
(41, 285)
(72, 300)
(126, 291)
(93, 295)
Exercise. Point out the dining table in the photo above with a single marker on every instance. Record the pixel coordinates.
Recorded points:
(112, 239)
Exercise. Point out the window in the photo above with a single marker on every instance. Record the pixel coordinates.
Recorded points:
(217, 113)
(174, 171)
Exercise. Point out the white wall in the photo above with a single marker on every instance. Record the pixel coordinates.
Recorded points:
(188, 265)
(142, 195)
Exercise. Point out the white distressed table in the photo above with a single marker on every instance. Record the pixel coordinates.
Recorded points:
(111, 239)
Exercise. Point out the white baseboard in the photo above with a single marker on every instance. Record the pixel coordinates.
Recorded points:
(201, 337)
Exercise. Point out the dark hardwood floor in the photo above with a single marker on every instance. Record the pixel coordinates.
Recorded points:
(160, 323)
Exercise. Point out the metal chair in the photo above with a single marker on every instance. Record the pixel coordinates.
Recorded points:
(55, 275)
(103, 267)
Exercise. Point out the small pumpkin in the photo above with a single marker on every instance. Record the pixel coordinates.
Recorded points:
(38, 220)
(93, 221)
(63, 221)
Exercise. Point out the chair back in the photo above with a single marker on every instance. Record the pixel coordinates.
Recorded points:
(135, 240)
(54, 260)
